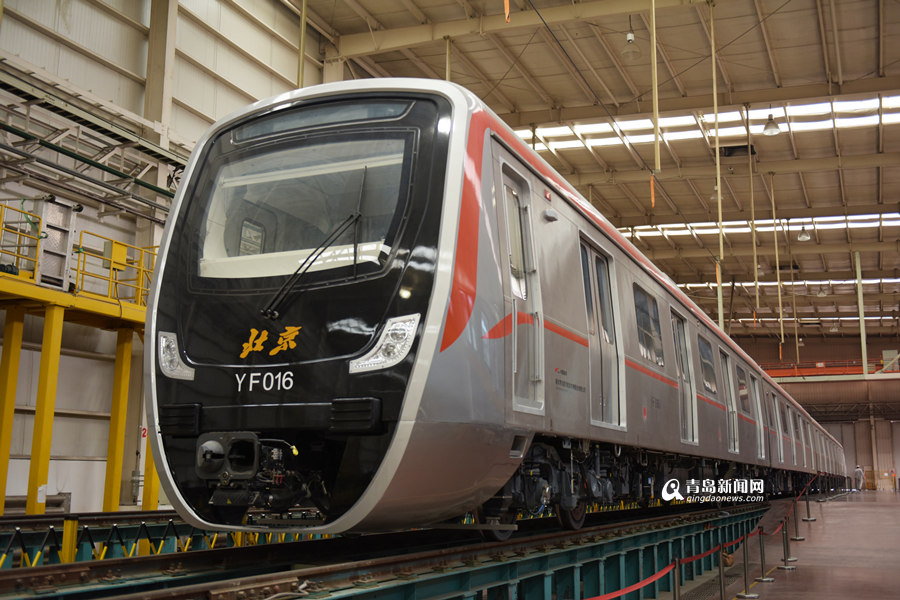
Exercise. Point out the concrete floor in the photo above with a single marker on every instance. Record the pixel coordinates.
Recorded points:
(851, 551)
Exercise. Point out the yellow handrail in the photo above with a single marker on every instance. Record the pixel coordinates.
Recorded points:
(114, 270)
(17, 242)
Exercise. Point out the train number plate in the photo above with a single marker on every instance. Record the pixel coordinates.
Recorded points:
(266, 381)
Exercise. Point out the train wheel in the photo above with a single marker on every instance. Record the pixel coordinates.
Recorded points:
(574, 518)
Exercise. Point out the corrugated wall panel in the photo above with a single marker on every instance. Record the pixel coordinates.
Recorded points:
(232, 79)
(113, 40)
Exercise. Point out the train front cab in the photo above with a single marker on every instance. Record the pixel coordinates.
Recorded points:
(294, 280)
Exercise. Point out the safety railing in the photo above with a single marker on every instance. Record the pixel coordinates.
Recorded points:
(20, 239)
(113, 270)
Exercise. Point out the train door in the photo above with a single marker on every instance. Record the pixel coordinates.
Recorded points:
(779, 431)
(812, 446)
(756, 402)
(527, 328)
(798, 437)
(686, 393)
(603, 386)
(730, 402)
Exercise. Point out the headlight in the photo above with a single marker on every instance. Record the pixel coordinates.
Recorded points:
(392, 347)
(170, 358)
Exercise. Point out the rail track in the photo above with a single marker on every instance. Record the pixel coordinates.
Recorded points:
(333, 568)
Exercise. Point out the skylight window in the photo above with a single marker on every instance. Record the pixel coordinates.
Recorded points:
(592, 128)
(566, 144)
(635, 124)
(683, 135)
(867, 121)
(724, 117)
(811, 125)
(553, 131)
(805, 110)
(856, 105)
(682, 121)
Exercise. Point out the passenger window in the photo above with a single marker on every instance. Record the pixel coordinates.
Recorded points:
(743, 391)
(516, 245)
(649, 331)
(588, 296)
(603, 288)
(707, 366)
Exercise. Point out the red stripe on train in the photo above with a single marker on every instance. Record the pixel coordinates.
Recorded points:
(653, 374)
(465, 265)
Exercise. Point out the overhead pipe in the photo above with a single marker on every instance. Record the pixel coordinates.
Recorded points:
(77, 175)
(752, 213)
(794, 300)
(654, 85)
(80, 157)
(712, 42)
(777, 262)
(447, 65)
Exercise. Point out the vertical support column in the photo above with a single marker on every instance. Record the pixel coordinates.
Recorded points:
(333, 69)
(51, 346)
(301, 54)
(150, 497)
(115, 448)
(160, 66)
(9, 378)
(862, 319)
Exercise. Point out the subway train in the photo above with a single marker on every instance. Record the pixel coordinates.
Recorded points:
(376, 308)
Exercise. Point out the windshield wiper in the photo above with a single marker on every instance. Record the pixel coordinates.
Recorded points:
(362, 187)
(270, 310)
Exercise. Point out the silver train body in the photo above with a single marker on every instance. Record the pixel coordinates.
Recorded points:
(540, 360)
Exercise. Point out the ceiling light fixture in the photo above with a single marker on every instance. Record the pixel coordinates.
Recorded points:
(803, 236)
(630, 51)
(771, 127)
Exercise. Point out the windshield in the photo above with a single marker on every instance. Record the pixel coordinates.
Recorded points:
(270, 207)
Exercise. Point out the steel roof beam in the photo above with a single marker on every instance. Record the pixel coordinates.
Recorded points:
(805, 249)
(703, 102)
(777, 167)
(387, 40)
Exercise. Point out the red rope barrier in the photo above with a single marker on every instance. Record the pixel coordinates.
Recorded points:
(732, 543)
(636, 586)
(691, 559)
(776, 530)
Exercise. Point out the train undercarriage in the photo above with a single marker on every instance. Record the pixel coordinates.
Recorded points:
(566, 476)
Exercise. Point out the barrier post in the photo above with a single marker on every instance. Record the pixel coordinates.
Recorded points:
(721, 572)
(676, 580)
(763, 578)
(808, 517)
(787, 549)
(747, 593)
(797, 537)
